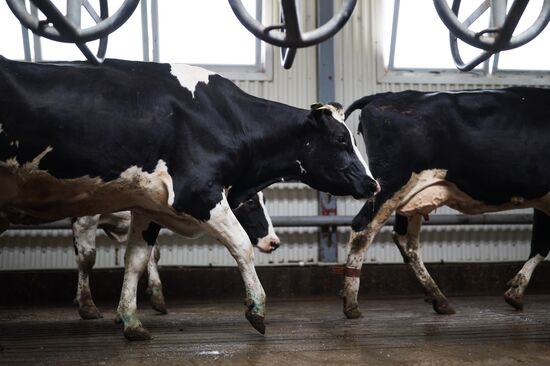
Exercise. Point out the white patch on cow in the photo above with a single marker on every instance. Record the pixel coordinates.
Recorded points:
(84, 195)
(429, 190)
(338, 114)
(14, 143)
(162, 170)
(514, 295)
(84, 236)
(226, 224)
(189, 76)
(158, 183)
(302, 170)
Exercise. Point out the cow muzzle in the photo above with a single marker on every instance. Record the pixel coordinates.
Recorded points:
(368, 189)
(269, 243)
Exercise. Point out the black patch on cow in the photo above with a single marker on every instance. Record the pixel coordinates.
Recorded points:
(252, 218)
(540, 237)
(75, 242)
(151, 234)
(400, 225)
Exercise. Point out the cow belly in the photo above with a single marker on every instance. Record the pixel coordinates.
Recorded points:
(429, 190)
(38, 194)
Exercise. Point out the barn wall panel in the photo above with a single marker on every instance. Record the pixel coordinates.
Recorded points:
(355, 76)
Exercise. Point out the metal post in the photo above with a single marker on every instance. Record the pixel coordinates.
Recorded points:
(26, 43)
(37, 46)
(155, 29)
(74, 11)
(328, 249)
(145, 30)
(498, 16)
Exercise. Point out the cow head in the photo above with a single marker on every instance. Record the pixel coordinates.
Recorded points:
(329, 159)
(255, 220)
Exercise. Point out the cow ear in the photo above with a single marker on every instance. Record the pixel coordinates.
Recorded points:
(315, 115)
(318, 109)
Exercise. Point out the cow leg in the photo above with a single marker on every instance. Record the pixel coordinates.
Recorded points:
(136, 258)
(518, 284)
(540, 246)
(358, 244)
(406, 236)
(154, 285)
(84, 240)
(225, 227)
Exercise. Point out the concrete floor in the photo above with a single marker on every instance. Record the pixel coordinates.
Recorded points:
(485, 331)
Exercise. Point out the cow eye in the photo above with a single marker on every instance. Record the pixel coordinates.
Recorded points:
(250, 203)
(342, 140)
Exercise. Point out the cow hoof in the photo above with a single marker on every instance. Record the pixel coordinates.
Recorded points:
(353, 312)
(514, 300)
(159, 306)
(89, 312)
(137, 334)
(257, 321)
(443, 308)
(157, 300)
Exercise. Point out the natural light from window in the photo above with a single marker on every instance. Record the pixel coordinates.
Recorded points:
(198, 32)
(204, 34)
(422, 40)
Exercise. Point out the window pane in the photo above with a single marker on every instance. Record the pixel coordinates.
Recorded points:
(533, 55)
(125, 42)
(423, 40)
(204, 32)
(11, 41)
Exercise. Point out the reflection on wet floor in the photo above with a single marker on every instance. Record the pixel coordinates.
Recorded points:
(485, 331)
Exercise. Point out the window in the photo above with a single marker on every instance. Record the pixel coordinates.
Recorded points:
(415, 47)
(195, 32)
(11, 43)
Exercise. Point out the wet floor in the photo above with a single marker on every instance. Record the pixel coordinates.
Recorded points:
(485, 331)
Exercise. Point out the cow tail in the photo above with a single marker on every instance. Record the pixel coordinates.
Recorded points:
(358, 104)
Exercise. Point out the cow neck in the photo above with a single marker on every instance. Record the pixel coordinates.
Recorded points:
(273, 151)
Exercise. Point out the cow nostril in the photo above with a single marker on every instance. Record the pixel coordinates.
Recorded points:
(377, 188)
(274, 245)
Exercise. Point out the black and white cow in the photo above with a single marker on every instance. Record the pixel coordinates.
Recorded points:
(474, 151)
(252, 216)
(77, 140)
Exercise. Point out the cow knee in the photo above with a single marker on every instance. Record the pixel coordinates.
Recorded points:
(244, 253)
(86, 259)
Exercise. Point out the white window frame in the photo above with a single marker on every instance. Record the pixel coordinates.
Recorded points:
(386, 73)
(261, 70)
